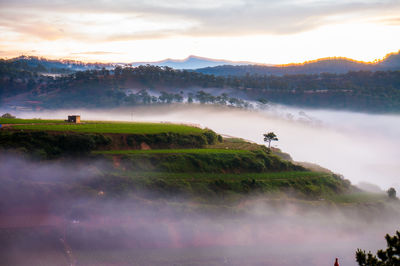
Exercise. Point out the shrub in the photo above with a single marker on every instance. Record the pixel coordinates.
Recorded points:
(211, 136)
(220, 185)
(248, 185)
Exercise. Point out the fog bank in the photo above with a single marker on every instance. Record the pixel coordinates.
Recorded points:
(44, 221)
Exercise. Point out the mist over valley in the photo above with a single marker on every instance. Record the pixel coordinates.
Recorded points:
(199, 133)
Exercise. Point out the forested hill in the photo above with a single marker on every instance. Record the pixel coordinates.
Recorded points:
(335, 65)
(325, 65)
(43, 65)
(363, 90)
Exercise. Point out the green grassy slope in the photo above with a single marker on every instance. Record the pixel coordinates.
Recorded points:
(169, 159)
(120, 128)
(172, 151)
(204, 161)
(60, 138)
(28, 121)
(210, 186)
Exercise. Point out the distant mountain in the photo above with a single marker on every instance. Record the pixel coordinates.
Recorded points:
(191, 62)
(324, 65)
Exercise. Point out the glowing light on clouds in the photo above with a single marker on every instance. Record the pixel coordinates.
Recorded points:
(247, 30)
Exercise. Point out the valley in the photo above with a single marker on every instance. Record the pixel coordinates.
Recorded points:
(126, 193)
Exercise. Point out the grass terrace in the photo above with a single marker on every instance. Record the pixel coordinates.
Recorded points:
(112, 127)
(172, 151)
(305, 184)
(30, 121)
(359, 197)
(201, 177)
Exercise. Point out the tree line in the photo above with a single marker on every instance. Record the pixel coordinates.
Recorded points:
(363, 90)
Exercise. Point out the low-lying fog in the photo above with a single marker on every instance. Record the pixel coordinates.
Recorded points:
(42, 224)
(362, 147)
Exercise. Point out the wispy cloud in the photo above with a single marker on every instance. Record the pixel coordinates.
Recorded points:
(122, 20)
(94, 53)
(178, 28)
(391, 21)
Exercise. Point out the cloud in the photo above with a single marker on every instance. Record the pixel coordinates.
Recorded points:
(94, 53)
(391, 21)
(139, 229)
(31, 25)
(152, 19)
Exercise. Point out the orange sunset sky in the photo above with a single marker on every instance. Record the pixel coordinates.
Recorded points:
(275, 32)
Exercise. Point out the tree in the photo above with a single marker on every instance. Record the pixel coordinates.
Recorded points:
(270, 136)
(262, 101)
(388, 257)
(190, 97)
(391, 193)
(7, 115)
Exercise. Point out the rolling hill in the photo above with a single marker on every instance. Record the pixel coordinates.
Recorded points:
(44, 65)
(337, 65)
(219, 67)
(168, 156)
(364, 88)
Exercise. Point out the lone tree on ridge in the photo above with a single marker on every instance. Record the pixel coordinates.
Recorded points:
(392, 193)
(270, 136)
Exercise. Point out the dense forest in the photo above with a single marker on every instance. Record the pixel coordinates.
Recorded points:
(377, 91)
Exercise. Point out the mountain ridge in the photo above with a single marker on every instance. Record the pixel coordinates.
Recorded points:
(222, 67)
(337, 65)
(192, 62)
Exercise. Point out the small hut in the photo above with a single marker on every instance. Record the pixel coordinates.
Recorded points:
(74, 119)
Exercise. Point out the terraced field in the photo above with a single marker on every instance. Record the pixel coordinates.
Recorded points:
(100, 127)
(235, 144)
(305, 184)
(201, 177)
(170, 159)
(29, 121)
(173, 151)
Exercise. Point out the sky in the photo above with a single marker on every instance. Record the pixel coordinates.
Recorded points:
(262, 31)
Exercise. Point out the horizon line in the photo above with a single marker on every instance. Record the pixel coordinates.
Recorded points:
(375, 61)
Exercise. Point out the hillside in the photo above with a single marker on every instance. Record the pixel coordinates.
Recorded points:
(364, 88)
(83, 192)
(217, 67)
(44, 65)
(324, 65)
(150, 85)
(168, 151)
